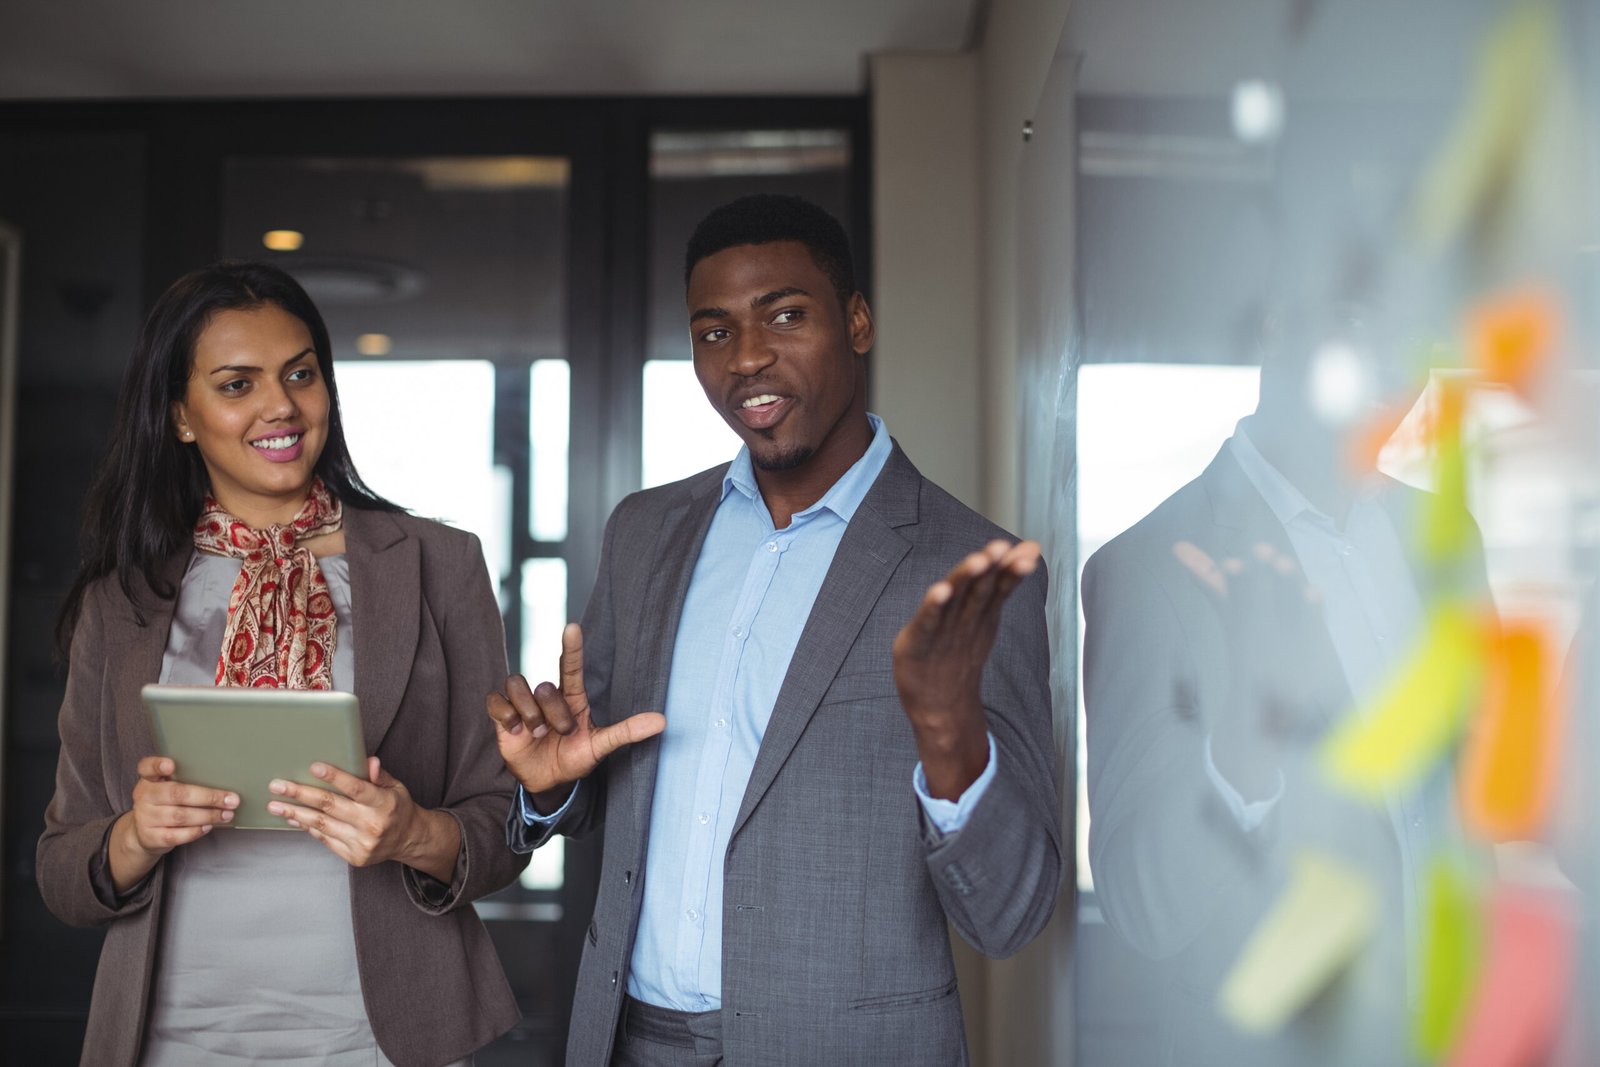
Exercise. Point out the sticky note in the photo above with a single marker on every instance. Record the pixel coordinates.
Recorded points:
(1416, 715)
(1527, 980)
(1450, 957)
(1446, 524)
(1321, 921)
(1513, 337)
(1510, 762)
(1481, 153)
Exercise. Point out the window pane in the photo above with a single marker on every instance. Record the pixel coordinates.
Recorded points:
(549, 405)
(1144, 429)
(547, 867)
(544, 613)
(682, 433)
(421, 434)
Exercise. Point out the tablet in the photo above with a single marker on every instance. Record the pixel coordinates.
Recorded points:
(240, 739)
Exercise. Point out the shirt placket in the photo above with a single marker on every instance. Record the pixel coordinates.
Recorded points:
(705, 816)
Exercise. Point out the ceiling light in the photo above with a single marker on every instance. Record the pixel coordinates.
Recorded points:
(374, 344)
(283, 240)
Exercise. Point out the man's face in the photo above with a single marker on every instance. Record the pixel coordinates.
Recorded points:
(779, 357)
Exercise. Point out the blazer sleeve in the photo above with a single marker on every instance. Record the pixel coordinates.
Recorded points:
(71, 862)
(586, 813)
(999, 876)
(1165, 854)
(476, 781)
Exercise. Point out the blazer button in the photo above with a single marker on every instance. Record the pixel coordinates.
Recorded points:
(613, 979)
(627, 877)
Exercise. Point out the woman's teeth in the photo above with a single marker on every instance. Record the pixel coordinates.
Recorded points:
(273, 444)
(757, 401)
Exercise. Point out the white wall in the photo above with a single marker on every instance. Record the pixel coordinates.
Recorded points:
(926, 284)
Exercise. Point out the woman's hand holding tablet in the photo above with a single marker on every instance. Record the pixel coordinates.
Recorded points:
(165, 814)
(369, 820)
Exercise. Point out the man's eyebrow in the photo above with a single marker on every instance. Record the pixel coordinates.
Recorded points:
(708, 313)
(777, 294)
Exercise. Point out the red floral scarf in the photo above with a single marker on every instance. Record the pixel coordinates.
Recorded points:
(281, 627)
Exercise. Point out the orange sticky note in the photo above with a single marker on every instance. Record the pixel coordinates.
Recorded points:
(1510, 763)
(1517, 1010)
(1512, 338)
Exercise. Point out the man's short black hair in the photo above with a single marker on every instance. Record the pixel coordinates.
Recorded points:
(765, 217)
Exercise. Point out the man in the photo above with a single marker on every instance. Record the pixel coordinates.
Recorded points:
(856, 745)
(1226, 633)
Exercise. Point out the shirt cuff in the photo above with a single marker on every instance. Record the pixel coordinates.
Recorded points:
(530, 817)
(951, 815)
(1248, 814)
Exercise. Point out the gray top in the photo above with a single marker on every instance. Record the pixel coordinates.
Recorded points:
(257, 957)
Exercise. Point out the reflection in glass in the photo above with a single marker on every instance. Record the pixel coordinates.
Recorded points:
(682, 432)
(547, 866)
(1144, 429)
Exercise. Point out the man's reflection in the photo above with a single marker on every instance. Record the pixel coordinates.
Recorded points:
(1226, 632)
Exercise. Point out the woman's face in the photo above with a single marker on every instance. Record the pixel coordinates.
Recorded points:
(256, 407)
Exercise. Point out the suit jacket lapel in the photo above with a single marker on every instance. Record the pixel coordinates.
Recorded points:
(866, 559)
(671, 568)
(140, 664)
(386, 600)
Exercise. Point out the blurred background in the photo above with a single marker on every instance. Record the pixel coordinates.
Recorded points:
(1095, 233)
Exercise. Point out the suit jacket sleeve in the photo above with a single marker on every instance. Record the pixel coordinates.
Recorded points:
(72, 870)
(477, 782)
(1164, 850)
(998, 877)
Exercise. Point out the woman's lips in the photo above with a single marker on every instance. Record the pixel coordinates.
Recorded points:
(280, 448)
(766, 414)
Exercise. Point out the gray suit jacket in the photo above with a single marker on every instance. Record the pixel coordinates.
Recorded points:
(836, 892)
(429, 644)
(1175, 875)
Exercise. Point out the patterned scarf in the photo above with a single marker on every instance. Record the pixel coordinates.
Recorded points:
(281, 627)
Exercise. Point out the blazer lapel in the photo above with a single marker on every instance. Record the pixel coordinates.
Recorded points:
(386, 600)
(866, 559)
(140, 664)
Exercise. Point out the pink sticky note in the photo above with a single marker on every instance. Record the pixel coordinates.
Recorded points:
(1516, 1013)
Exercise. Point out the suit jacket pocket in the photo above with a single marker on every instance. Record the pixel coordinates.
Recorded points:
(901, 1001)
(864, 685)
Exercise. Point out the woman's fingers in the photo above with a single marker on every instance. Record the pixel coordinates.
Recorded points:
(155, 768)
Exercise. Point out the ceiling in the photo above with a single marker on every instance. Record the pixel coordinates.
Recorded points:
(61, 49)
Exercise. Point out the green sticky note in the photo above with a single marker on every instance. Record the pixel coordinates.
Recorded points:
(1452, 950)
(1417, 715)
(1318, 925)
(1477, 160)
(1446, 525)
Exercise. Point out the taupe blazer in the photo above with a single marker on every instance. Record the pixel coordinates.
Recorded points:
(429, 645)
(837, 892)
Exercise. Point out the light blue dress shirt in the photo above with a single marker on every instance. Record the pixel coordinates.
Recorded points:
(748, 600)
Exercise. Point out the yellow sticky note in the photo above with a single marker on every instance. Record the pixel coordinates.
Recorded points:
(1482, 151)
(1452, 951)
(1324, 917)
(1511, 757)
(1417, 715)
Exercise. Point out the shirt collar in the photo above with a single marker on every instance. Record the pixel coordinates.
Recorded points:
(846, 494)
(1281, 496)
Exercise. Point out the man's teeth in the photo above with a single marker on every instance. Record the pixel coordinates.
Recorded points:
(757, 401)
(276, 443)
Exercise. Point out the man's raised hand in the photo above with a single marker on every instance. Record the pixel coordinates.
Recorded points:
(545, 734)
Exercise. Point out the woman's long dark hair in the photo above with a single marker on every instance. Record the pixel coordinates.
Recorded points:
(149, 488)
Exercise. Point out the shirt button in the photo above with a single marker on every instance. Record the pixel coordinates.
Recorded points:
(738, 631)
(721, 724)
(692, 915)
(772, 546)
(1346, 549)
(704, 818)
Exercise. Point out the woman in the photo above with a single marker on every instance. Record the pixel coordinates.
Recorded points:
(357, 934)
